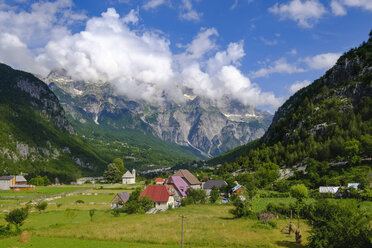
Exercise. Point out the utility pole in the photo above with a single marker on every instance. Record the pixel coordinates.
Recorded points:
(182, 231)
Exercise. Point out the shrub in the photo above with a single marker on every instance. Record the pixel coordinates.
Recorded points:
(79, 201)
(91, 214)
(17, 217)
(41, 206)
(215, 194)
(243, 209)
(341, 224)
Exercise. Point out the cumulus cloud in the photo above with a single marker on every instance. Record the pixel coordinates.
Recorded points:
(337, 8)
(279, 66)
(188, 13)
(298, 85)
(305, 13)
(151, 4)
(322, 61)
(137, 61)
(45, 20)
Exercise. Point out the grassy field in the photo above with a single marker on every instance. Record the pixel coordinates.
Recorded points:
(205, 225)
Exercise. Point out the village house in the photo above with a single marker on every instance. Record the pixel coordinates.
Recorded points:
(189, 178)
(159, 181)
(129, 178)
(208, 185)
(160, 195)
(177, 186)
(119, 200)
(239, 189)
(16, 183)
(6, 182)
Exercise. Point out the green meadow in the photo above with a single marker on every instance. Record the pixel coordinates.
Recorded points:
(66, 223)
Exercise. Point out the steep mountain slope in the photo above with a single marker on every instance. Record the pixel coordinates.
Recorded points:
(197, 125)
(35, 135)
(323, 129)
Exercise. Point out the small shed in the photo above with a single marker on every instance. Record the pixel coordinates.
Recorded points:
(119, 200)
(353, 185)
(328, 189)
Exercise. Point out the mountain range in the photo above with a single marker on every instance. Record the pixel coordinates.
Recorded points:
(197, 125)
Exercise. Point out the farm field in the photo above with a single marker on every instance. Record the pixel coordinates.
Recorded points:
(205, 226)
(66, 223)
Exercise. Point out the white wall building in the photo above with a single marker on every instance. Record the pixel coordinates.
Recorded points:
(129, 178)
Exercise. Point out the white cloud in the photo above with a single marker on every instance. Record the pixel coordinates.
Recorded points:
(41, 23)
(234, 5)
(139, 63)
(298, 85)
(305, 13)
(322, 61)
(293, 52)
(188, 13)
(132, 17)
(365, 4)
(279, 66)
(269, 42)
(337, 8)
(152, 4)
(16, 54)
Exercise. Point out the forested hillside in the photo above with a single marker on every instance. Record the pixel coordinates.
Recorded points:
(35, 136)
(323, 133)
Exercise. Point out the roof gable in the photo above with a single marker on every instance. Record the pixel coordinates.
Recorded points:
(179, 184)
(124, 196)
(190, 178)
(213, 183)
(7, 178)
(157, 193)
(128, 174)
(20, 179)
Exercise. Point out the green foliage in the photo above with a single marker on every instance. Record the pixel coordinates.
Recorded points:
(137, 204)
(91, 214)
(243, 209)
(194, 196)
(215, 194)
(79, 201)
(112, 174)
(325, 123)
(17, 217)
(40, 181)
(40, 124)
(337, 225)
(70, 213)
(299, 191)
(41, 206)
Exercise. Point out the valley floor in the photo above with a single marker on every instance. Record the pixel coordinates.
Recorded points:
(66, 223)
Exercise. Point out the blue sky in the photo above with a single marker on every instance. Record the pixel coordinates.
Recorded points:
(257, 51)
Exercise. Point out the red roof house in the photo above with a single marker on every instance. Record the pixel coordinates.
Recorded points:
(159, 180)
(159, 194)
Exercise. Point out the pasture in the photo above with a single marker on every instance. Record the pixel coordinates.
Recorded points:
(66, 223)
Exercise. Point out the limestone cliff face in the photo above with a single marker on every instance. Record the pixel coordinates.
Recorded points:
(198, 123)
